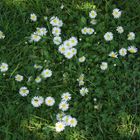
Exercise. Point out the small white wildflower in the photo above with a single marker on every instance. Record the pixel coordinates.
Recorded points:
(116, 13)
(72, 122)
(37, 101)
(113, 54)
(108, 36)
(131, 36)
(82, 59)
(38, 79)
(55, 21)
(46, 73)
(68, 54)
(3, 67)
(49, 101)
(120, 29)
(41, 31)
(92, 14)
(66, 119)
(23, 91)
(104, 66)
(18, 77)
(73, 41)
(74, 51)
(64, 106)
(83, 91)
(93, 21)
(66, 96)
(62, 49)
(33, 17)
(57, 40)
(59, 126)
(122, 51)
(56, 31)
(132, 49)
(59, 116)
(68, 44)
(35, 38)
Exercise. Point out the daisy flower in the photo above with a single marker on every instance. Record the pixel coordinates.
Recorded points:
(57, 40)
(93, 21)
(132, 49)
(49, 101)
(2, 36)
(73, 41)
(68, 44)
(84, 30)
(74, 51)
(38, 79)
(92, 14)
(23, 91)
(35, 37)
(116, 13)
(59, 126)
(120, 29)
(82, 59)
(90, 31)
(131, 36)
(33, 17)
(41, 31)
(46, 73)
(59, 116)
(66, 96)
(83, 91)
(68, 54)
(66, 119)
(72, 122)
(64, 106)
(62, 49)
(108, 36)
(3, 67)
(37, 101)
(122, 51)
(18, 78)
(113, 54)
(103, 65)
(55, 21)
(56, 31)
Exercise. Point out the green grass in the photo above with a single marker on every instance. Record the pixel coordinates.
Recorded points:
(117, 90)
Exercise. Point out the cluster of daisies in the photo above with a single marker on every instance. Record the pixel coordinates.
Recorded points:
(23, 91)
(88, 30)
(63, 119)
(109, 36)
(83, 90)
(67, 47)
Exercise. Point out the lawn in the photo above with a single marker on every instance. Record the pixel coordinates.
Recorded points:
(95, 82)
